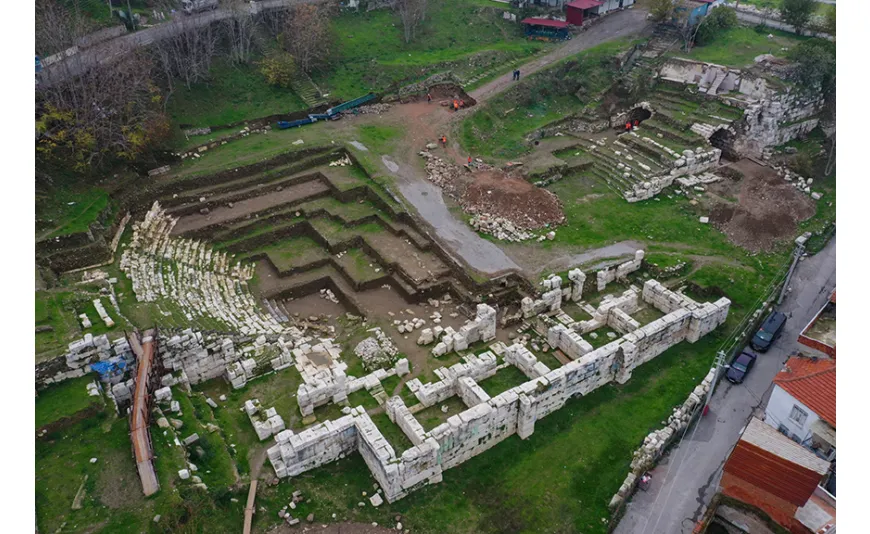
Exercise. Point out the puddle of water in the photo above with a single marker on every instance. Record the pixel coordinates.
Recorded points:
(359, 145)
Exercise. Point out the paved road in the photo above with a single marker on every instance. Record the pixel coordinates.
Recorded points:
(621, 24)
(755, 19)
(114, 48)
(684, 482)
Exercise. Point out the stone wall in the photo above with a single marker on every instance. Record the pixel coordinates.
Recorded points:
(197, 357)
(481, 328)
(81, 354)
(488, 421)
(476, 367)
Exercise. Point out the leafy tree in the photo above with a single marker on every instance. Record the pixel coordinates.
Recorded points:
(661, 10)
(716, 23)
(278, 69)
(412, 13)
(798, 13)
(816, 65)
(829, 26)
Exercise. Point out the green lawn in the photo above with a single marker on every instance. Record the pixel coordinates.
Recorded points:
(739, 46)
(234, 93)
(373, 53)
(64, 400)
(69, 212)
(499, 127)
(503, 380)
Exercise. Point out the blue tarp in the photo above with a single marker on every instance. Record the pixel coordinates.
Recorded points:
(108, 367)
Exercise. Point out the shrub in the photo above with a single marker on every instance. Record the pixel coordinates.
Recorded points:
(278, 69)
(717, 22)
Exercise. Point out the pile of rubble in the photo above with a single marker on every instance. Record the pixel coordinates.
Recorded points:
(286, 516)
(443, 174)
(371, 109)
(504, 206)
(376, 351)
(343, 161)
(328, 295)
(500, 228)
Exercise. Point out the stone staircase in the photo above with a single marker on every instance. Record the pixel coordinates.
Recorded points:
(625, 162)
(717, 81)
(306, 89)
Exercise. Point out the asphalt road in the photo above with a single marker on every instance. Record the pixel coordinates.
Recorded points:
(114, 48)
(613, 26)
(755, 19)
(686, 480)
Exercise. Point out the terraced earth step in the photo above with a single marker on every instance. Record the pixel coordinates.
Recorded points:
(240, 209)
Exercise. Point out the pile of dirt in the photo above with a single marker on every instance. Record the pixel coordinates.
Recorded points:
(492, 192)
(767, 210)
(526, 206)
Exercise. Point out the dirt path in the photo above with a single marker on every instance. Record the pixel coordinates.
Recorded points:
(621, 24)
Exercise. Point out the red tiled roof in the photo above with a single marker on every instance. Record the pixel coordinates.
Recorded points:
(834, 297)
(813, 383)
(584, 4)
(773, 463)
(546, 22)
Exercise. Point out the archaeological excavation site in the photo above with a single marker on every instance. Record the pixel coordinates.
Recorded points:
(421, 295)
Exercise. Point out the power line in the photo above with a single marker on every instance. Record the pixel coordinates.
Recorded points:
(767, 293)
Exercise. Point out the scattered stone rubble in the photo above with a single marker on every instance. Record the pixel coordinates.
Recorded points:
(490, 420)
(798, 182)
(101, 311)
(343, 161)
(500, 228)
(377, 351)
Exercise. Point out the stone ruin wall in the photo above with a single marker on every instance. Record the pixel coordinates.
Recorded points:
(772, 115)
(490, 421)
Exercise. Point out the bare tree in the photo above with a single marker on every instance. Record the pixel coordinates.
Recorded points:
(412, 13)
(58, 27)
(306, 35)
(111, 110)
(240, 29)
(187, 53)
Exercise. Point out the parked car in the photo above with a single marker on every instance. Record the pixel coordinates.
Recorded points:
(740, 367)
(197, 6)
(769, 332)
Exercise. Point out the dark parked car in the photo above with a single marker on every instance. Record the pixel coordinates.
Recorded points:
(740, 367)
(769, 331)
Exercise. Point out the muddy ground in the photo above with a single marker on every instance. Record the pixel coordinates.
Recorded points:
(759, 210)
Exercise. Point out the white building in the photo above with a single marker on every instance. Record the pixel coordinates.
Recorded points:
(803, 404)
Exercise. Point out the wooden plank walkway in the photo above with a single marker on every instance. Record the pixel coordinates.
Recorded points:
(249, 508)
(141, 412)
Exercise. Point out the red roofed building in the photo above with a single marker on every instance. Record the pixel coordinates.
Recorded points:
(803, 404)
(576, 10)
(776, 475)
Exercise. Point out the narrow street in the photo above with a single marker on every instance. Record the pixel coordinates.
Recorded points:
(686, 480)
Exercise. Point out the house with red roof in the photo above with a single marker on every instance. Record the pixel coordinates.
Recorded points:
(803, 404)
(773, 474)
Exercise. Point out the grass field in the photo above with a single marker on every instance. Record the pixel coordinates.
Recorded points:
(234, 93)
(374, 54)
(499, 127)
(739, 46)
(69, 212)
(64, 400)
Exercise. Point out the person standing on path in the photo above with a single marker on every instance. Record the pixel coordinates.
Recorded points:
(428, 98)
(518, 74)
(444, 141)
